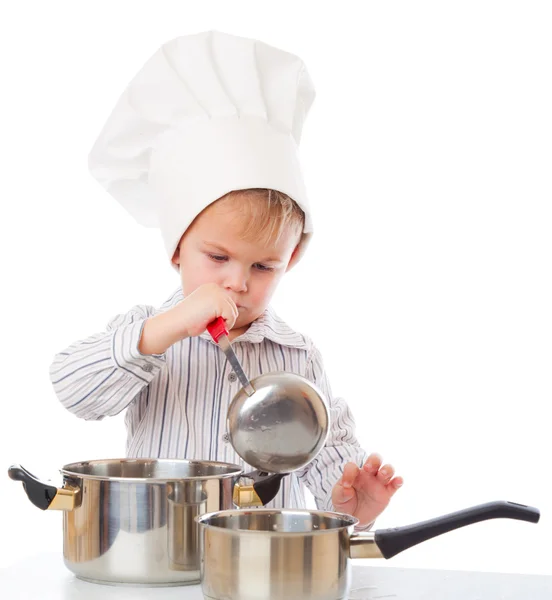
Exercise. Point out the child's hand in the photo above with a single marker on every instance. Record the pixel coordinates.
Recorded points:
(188, 318)
(364, 493)
(202, 306)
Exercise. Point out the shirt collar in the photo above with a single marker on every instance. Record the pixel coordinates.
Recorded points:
(267, 326)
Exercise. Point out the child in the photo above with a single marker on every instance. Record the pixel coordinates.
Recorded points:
(202, 144)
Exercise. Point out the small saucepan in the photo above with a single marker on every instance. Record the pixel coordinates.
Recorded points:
(291, 554)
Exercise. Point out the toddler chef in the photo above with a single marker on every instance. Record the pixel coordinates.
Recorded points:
(203, 144)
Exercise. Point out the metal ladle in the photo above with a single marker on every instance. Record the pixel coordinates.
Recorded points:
(277, 422)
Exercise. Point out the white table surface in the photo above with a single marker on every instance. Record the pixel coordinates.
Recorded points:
(45, 577)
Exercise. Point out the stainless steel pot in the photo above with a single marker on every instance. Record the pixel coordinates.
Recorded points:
(133, 520)
(305, 555)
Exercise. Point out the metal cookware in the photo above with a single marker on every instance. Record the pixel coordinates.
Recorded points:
(133, 520)
(300, 554)
(277, 422)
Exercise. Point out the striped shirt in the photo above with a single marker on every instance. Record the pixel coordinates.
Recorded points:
(176, 402)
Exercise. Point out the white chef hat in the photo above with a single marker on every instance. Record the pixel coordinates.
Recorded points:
(207, 114)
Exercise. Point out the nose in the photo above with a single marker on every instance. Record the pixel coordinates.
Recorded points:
(236, 279)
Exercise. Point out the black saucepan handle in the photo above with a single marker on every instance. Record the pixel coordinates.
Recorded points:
(40, 494)
(395, 540)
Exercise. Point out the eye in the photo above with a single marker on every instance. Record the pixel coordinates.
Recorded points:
(217, 257)
(263, 267)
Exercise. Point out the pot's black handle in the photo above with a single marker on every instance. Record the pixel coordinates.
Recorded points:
(266, 486)
(395, 540)
(40, 494)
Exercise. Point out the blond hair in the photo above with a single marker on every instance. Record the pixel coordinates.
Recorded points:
(268, 213)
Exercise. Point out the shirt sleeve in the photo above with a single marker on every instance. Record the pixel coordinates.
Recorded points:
(341, 447)
(102, 374)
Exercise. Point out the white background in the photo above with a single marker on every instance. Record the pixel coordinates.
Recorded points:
(427, 155)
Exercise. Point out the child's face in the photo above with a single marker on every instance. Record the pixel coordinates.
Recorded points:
(211, 251)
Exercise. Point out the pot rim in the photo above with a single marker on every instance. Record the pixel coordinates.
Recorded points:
(352, 521)
(69, 470)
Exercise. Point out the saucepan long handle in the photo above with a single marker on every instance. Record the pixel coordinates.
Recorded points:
(389, 542)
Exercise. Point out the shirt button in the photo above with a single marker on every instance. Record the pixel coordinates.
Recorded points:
(232, 377)
(225, 438)
(148, 367)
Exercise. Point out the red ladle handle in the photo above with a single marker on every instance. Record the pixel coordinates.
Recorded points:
(217, 328)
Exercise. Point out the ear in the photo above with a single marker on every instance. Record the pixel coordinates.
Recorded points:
(176, 257)
(292, 257)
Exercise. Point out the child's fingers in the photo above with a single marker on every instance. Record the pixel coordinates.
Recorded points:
(395, 484)
(343, 490)
(230, 312)
(373, 463)
(350, 473)
(385, 474)
(341, 495)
